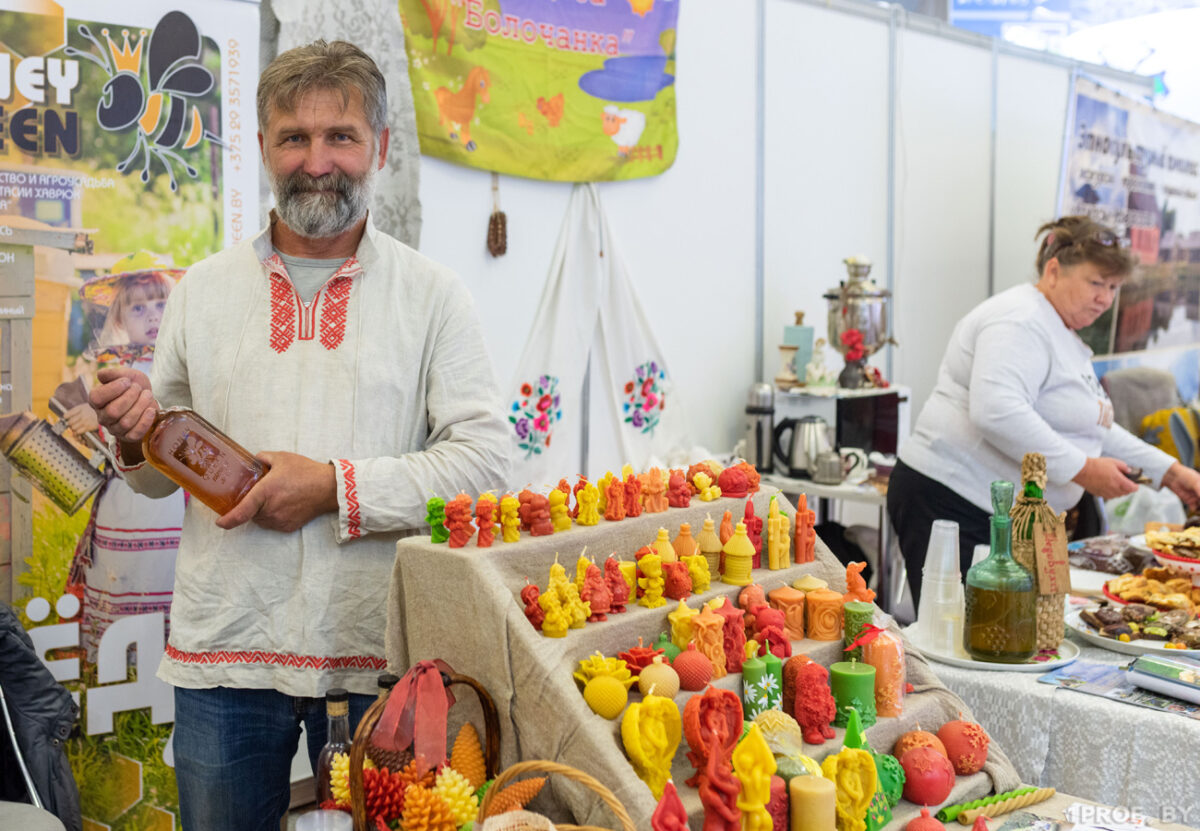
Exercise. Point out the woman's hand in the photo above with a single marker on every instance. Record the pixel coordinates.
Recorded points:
(1184, 483)
(1105, 478)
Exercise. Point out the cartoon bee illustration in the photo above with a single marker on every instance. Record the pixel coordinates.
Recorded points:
(174, 74)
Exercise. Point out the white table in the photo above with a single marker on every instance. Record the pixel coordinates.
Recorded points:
(1113, 753)
(887, 598)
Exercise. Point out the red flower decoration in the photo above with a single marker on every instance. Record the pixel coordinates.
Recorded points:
(853, 338)
(526, 390)
(544, 403)
(629, 387)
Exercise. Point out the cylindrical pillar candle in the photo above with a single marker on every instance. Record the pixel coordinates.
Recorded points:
(754, 693)
(812, 803)
(774, 686)
(853, 685)
(791, 602)
(629, 572)
(886, 653)
(824, 615)
(855, 615)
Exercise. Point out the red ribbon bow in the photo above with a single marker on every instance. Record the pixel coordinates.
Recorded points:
(415, 715)
(868, 633)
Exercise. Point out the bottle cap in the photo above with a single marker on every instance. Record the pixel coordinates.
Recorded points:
(387, 680)
(336, 694)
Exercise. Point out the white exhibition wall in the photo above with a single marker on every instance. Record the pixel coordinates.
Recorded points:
(688, 236)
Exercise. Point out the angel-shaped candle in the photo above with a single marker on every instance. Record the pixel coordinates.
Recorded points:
(560, 517)
(589, 505)
(458, 520)
(485, 519)
(510, 521)
(651, 730)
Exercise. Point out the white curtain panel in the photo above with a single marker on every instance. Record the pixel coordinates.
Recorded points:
(590, 311)
(373, 26)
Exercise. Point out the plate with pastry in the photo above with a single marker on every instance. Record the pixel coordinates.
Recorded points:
(1137, 629)
(1163, 587)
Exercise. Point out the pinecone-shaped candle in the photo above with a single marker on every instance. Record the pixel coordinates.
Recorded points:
(384, 794)
(339, 777)
(467, 756)
(409, 776)
(393, 760)
(516, 796)
(426, 811)
(456, 791)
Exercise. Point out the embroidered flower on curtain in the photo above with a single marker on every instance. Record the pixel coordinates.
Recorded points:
(646, 397)
(534, 412)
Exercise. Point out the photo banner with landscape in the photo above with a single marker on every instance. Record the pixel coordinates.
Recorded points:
(567, 91)
(128, 152)
(1137, 170)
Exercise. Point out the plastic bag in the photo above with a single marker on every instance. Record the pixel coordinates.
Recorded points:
(1129, 514)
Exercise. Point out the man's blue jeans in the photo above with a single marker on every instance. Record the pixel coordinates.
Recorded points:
(234, 750)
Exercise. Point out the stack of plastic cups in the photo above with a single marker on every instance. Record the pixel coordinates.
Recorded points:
(940, 616)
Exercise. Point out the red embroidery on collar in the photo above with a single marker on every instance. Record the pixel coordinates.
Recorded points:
(283, 312)
(333, 310)
(292, 319)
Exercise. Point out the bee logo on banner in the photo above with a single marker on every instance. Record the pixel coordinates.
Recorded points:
(158, 107)
(569, 91)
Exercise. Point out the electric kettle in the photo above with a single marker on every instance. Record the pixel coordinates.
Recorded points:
(809, 438)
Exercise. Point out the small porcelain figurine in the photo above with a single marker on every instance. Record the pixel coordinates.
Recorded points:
(816, 374)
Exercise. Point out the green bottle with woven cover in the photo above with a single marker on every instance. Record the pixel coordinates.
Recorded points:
(1001, 601)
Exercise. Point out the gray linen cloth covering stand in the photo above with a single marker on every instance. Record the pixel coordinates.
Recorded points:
(462, 605)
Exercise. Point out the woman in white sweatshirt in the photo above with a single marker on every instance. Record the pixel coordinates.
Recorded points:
(1016, 378)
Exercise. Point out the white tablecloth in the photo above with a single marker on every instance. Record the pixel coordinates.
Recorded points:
(1081, 744)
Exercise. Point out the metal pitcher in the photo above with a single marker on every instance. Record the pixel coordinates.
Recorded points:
(809, 438)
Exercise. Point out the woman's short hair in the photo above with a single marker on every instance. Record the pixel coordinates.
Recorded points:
(338, 66)
(1081, 239)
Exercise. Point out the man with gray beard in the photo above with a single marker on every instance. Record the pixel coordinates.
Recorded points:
(355, 368)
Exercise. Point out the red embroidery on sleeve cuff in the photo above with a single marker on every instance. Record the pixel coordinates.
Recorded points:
(353, 520)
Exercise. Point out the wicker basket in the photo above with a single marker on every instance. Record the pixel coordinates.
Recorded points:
(542, 766)
(362, 736)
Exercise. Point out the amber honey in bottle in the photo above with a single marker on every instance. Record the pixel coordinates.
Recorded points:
(1000, 620)
(337, 740)
(201, 459)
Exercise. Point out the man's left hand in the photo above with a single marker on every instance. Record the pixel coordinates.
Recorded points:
(295, 490)
(1185, 483)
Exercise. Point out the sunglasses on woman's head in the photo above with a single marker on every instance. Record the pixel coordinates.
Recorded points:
(1102, 237)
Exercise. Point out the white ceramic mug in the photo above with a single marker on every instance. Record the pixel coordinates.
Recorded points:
(854, 464)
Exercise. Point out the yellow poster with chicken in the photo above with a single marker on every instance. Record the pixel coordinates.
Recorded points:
(566, 91)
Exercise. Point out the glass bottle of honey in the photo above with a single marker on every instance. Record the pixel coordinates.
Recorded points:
(1001, 602)
(201, 459)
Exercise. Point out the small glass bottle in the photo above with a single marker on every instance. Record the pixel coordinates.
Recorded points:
(337, 739)
(1001, 603)
(386, 681)
(201, 459)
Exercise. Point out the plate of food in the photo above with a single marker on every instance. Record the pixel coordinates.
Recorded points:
(1179, 545)
(1163, 587)
(1137, 629)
